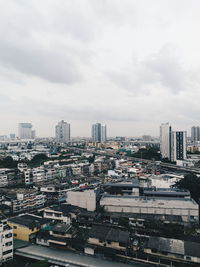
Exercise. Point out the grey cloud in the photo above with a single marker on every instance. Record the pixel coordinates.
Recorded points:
(168, 69)
(53, 66)
(35, 43)
(69, 111)
(163, 69)
(51, 40)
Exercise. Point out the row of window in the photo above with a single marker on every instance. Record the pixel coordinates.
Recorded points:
(7, 252)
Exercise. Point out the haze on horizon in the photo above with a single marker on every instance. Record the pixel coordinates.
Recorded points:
(130, 64)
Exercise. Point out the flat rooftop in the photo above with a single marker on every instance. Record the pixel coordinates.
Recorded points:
(64, 257)
(149, 202)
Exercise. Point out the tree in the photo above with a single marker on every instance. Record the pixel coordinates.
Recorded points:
(190, 182)
(38, 159)
(150, 153)
(8, 162)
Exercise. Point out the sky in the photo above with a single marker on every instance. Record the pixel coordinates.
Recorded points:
(127, 63)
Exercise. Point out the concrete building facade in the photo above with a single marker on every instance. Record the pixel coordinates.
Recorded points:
(62, 132)
(165, 140)
(6, 243)
(99, 133)
(84, 199)
(25, 130)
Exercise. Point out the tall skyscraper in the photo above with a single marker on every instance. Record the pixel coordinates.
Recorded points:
(103, 133)
(62, 131)
(25, 130)
(178, 145)
(195, 133)
(99, 133)
(165, 140)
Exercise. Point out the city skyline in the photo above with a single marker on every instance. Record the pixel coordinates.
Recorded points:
(131, 65)
(104, 125)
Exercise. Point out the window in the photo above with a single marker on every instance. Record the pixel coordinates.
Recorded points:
(8, 244)
(15, 235)
(14, 227)
(122, 244)
(188, 258)
(179, 256)
(7, 252)
(8, 235)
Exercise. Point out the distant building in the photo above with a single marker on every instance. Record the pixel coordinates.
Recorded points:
(165, 140)
(33, 134)
(146, 138)
(62, 132)
(195, 133)
(99, 133)
(120, 138)
(178, 146)
(12, 136)
(25, 131)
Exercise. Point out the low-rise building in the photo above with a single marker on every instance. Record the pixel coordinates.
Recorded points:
(6, 176)
(63, 213)
(166, 248)
(6, 240)
(23, 200)
(106, 237)
(54, 193)
(26, 226)
(187, 208)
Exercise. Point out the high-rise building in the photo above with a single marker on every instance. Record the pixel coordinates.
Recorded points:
(195, 133)
(165, 140)
(178, 145)
(99, 133)
(103, 133)
(62, 131)
(25, 130)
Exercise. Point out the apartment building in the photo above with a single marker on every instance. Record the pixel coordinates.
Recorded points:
(23, 200)
(6, 243)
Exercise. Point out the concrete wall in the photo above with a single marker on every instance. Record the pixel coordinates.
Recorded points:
(83, 199)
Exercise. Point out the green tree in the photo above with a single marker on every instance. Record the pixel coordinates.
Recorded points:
(38, 159)
(8, 162)
(190, 182)
(150, 153)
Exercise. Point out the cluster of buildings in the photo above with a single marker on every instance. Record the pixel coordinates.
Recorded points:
(99, 201)
(62, 132)
(122, 220)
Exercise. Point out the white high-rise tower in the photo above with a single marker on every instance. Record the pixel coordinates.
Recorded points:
(62, 131)
(165, 140)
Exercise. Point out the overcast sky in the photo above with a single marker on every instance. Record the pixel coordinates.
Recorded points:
(131, 64)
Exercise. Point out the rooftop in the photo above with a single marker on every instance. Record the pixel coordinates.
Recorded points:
(161, 202)
(29, 220)
(61, 228)
(107, 233)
